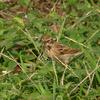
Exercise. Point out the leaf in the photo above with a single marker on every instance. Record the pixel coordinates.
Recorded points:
(72, 1)
(20, 21)
(24, 2)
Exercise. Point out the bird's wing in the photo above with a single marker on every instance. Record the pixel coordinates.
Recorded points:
(65, 49)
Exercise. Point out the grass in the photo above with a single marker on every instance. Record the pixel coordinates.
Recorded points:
(26, 72)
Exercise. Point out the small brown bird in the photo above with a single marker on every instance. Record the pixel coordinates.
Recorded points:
(58, 51)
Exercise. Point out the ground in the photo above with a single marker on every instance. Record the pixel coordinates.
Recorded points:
(26, 72)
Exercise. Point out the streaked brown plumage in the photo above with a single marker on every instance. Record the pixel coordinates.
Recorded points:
(57, 50)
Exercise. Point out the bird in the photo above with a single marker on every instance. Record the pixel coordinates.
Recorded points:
(57, 50)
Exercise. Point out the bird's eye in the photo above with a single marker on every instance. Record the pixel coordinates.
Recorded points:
(49, 47)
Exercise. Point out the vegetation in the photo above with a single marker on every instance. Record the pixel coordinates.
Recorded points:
(26, 72)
